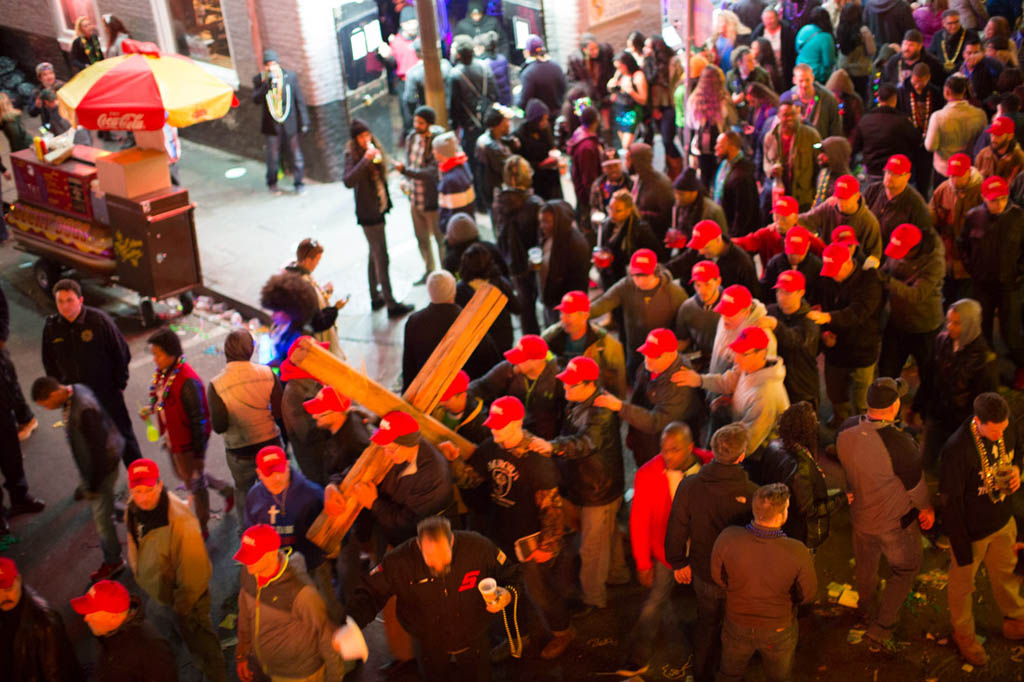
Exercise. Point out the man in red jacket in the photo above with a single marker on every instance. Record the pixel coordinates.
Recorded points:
(653, 489)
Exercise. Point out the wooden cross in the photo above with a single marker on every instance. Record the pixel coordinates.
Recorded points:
(419, 400)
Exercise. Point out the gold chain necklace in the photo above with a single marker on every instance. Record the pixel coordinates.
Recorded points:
(950, 64)
(988, 468)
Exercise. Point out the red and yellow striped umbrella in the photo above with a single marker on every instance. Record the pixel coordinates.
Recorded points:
(142, 90)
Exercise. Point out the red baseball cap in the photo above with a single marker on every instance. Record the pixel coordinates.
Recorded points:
(994, 187)
(327, 400)
(958, 165)
(659, 342)
(530, 347)
(271, 460)
(643, 261)
(257, 541)
(578, 370)
(289, 370)
(8, 572)
(903, 239)
(798, 240)
(503, 412)
(1002, 125)
(791, 280)
(574, 302)
(751, 338)
(393, 426)
(786, 206)
(143, 472)
(898, 164)
(844, 234)
(846, 187)
(833, 259)
(704, 232)
(675, 239)
(458, 385)
(705, 271)
(106, 595)
(735, 299)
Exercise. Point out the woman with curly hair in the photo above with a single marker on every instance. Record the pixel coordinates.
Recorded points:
(792, 460)
(709, 112)
(663, 71)
(629, 93)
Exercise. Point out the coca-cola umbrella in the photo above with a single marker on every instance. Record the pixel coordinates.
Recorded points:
(143, 89)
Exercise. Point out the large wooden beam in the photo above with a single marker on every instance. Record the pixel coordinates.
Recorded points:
(419, 400)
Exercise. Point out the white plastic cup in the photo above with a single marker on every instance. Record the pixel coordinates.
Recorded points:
(488, 590)
(349, 642)
(536, 256)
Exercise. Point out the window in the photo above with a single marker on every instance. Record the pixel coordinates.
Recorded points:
(72, 9)
(198, 30)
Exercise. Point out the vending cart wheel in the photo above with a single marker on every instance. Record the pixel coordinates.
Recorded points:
(47, 273)
(148, 312)
(187, 302)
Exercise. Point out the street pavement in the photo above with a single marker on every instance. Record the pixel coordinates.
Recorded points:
(245, 234)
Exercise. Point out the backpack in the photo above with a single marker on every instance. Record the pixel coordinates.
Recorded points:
(483, 101)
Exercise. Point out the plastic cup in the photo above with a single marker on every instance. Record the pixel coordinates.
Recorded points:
(488, 590)
(536, 256)
(350, 643)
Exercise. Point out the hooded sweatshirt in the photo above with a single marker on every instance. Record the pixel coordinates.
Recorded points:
(758, 398)
(826, 217)
(915, 286)
(721, 355)
(964, 368)
(888, 19)
(566, 264)
(652, 189)
(838, 151)
(948, 207)
(584, 149)
(817, 49)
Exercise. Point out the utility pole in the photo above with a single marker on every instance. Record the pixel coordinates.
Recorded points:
(430, 51)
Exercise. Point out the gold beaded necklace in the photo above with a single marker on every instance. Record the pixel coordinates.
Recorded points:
(988, 468)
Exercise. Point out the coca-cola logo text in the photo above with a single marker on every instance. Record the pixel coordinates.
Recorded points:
(118, 121)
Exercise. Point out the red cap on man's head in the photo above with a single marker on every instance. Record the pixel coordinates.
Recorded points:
(735, 299)
(327, 400)
(785, 206)
(644, 261)
(994, 187)
(578, 370)
(289, 370)
(833, 259)
(703, 232)
(844, 234)
(846, 187)
(143, 472)
(798, 241)
(705, 271)
(503, 412)
(8, 572)
(751, 338)
(903, 239)
(458, 385)
(394, 425)
(106, 595)
(659, 342)
(574, 302)
(1002, 125)
(958, 165)
(791, 280)
(530, 347)
(898, 164)
(675, 238)
(257, 541)
(271, 460)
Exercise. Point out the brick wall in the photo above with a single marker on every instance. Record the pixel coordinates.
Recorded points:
(136, 15)
(29, 16)
(236, 18)
(28, 49)
(565, 22)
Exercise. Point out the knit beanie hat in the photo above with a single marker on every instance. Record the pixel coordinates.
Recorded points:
(446, 145)
(461, 229)
(441, 287)
(270, 56)
(427, 114)
(535, 110)
(238, 346)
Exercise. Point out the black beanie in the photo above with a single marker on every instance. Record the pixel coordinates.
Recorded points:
(357, 128)
(427, 114)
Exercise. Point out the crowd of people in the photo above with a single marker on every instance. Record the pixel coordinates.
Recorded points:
(846, 203)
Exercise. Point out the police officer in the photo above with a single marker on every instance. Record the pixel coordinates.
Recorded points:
(83, 345)
(435, 578)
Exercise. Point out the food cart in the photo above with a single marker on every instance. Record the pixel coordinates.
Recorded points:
(115, 216)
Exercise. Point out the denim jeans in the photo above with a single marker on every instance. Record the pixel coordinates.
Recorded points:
(643, 636)
(902, 550)
(776, 647)
(101, 502)
(707, 640)
(274, 144)
(378, 264)
(243, 472)
(597, 535)
(545, 589)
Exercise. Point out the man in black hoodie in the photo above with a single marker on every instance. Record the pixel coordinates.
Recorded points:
(735, 187)
(717, 496)
(653, 190)
(883, 132)
(888, 20)
(797, 336)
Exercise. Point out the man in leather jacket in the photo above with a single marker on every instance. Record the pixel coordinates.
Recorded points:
(39, 645)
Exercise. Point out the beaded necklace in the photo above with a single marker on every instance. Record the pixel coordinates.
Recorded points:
(988, 468)
(823, 183)
(160, 388)
(947, 63)
(920, 123)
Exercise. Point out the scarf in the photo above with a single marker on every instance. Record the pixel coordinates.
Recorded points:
(454, 161)
(279, 96)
